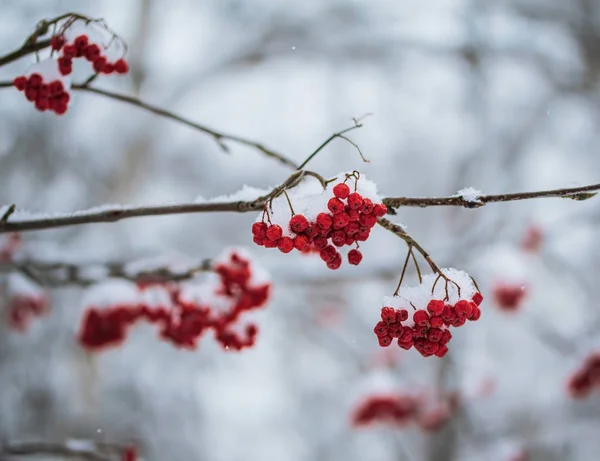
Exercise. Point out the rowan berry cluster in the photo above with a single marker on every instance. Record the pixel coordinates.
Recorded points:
(83, 47)
(424, 322)
(45, 95)
(587, 379)
(344, 219)
(183, 321)
(404, 409)
(509, 296)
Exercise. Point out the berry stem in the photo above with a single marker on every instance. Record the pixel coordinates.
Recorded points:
(403, 270)
(416, 264)
(339, 134)
(289, 202)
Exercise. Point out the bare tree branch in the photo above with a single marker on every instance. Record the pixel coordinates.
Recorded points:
(56, 274)
(574, 193)
(52, 449)
(26, 49)
(117, 213)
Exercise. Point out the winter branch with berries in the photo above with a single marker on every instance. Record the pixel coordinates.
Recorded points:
(310, 213)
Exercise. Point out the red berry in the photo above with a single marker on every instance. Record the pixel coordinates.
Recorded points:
(380, 210)
(381, 329)
(354, 257)
(434, 335)
(362, 236)
(355, 200)
(335, 205)
(42, 104)
(20, 83)
(354, 214)
(406, 344)
(99, 63)
(108, 68)
(349, 239)
(57, 42)
(121, 66)
(430, 348)
(352, 228)
(324, 220)
(320, 242)
(458, 321)
(335, 263)
(338, 238)
(259, 229)
(477, 298)
(60, 108)
(285, 245)
(311, 232)
(442, 350)
(388, 314)
(274, 232)
(298, 223)
(367, 206)
(328, 253)
(448, 315)
(463, 308)
(446, 337)
(258, 240)
(341, 220)
(35, 80)
(69, 51)
(435, 307)
(56, 88)
(81, 42)
(268, 243)
(65, 98)
(475, 314)
(92, 52)
(436, 322)
(31, 94)
(341, 190)
(44, 91)
(401, 315)
(421, 318)
(368, 220)
(301, 242)
(384, 341)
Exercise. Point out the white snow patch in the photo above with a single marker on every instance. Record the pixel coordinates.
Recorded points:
(245, 194)
(469, 194)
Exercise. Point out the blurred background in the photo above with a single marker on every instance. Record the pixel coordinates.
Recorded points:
(498, 95)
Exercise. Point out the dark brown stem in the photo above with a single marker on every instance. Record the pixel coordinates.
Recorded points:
(53, 449)
(574, 193)
(403, 271)
(26, 49)
(55, 274)
(416, 266)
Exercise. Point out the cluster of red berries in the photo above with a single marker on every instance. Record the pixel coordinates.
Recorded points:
(392, 409)
(129, 454)
(44, 95)
(10, 245)
(404, 409)
(184, 322)
(83, 48)
(349, 220)
(508, 296)
(22, 308)
(587, 379)
(430, 333)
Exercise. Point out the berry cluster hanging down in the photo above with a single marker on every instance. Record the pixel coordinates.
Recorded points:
(421, 316)
(308, 219)
(46, 83)
(237, 286)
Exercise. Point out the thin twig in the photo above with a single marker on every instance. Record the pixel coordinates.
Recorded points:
(219, 137)
(55, 274)
(331, 138)
(7, 213)
(25, 50)
(574, 193)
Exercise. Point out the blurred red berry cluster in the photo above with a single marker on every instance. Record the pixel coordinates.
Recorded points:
(184, 322)
(430, 333)
(82, 47)
(22, 308)
(587, 378)
(509, 296)
(404, 409)
(348, 220)
(45, 95)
